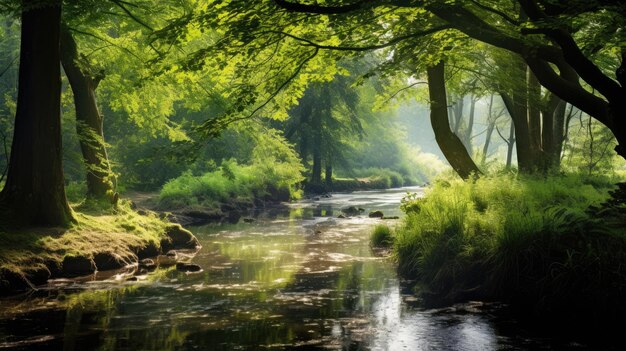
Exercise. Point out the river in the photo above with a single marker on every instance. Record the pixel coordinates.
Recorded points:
(295, 278)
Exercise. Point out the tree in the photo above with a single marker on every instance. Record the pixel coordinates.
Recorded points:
(450, 144)
(325, 116)
(84, 81)
(543, 33)
(35, 189)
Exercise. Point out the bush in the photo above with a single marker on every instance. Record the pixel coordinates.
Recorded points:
(381, 236)
(532, 241)
(274, 174)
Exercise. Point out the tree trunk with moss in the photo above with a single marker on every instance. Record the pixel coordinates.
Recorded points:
(449, 143)
(35, 189)
(84, 81)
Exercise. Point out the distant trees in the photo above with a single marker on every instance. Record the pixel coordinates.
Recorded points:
(325, 117)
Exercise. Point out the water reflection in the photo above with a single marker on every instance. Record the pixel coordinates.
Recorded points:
(296, 279)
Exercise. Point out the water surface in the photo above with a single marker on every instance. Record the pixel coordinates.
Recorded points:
(296, 278)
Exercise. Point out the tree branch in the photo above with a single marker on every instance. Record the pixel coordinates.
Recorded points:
(323, 10)
(369, 47)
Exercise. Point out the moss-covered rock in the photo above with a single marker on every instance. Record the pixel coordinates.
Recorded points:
(176, 237)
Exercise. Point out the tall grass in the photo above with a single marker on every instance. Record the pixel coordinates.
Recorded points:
(381, 236)
(532, 241)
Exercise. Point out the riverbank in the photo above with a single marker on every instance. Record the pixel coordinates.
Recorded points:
(553, 247)
(103, 238)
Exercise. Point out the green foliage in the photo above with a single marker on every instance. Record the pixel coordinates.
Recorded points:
(274, 174)
(589, 148)
(381, 236)
(524, 239)
(75, 191)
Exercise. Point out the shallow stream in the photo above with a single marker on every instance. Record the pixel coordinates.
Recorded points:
(295, 278)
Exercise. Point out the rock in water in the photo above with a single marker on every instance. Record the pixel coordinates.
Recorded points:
(350, 211)
(376, 214)
(188, 267)
(178, 238)
(147, 264)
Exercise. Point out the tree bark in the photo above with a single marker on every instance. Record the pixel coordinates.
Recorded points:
(534, 115)
(517, 110)
(316, 172)
(35, 188)
(467, 136)
(450, 144)
(510, 145)
(89, 120)
(328, 173)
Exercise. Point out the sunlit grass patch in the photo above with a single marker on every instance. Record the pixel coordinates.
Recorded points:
(527, 239)
(276, 182)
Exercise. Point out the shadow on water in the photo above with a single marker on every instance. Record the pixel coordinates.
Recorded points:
(296, 278)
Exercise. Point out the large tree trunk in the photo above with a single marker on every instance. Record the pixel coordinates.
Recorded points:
(100, 178)
(449, 143)
(553, 120)
(35, 183)
(534, 115)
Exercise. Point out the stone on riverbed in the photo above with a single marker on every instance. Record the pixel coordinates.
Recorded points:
(376, 214)
(178, 238)
(351, 211)
(147, 264)
(188, 267)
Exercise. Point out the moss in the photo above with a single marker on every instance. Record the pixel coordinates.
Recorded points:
(118, 231)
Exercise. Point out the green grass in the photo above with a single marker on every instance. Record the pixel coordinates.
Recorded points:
(381, 236)
(276, 182)
(530, 241)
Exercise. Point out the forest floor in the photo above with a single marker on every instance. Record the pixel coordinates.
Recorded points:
(103, 238)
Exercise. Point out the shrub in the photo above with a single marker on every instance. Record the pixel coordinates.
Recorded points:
(274, 174)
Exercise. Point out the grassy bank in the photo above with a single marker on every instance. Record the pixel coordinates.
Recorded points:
(103, 238)
(250, 183)
(534, 242)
